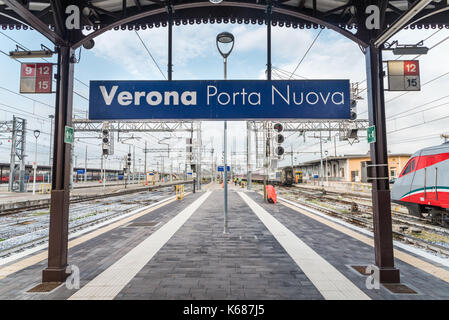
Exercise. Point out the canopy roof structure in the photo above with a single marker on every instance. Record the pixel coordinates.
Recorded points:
(344, 16)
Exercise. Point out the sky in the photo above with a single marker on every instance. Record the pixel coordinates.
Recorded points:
(414, 119)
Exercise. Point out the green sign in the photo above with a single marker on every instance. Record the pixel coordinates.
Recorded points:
(371, 133)
(69, 135)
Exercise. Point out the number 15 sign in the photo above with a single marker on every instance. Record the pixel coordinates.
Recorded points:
(403, 75)
(36, 78)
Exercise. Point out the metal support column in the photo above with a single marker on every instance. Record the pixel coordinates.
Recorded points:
(170, 43)
(12, 161)
(85, 165)
(383, 239)
(321, 161)
(145, 164)
(248, 155)
(198, 163)
(59, 207)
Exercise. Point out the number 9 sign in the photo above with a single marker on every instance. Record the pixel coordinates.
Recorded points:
(36, 78)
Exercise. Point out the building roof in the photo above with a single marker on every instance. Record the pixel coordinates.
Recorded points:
(350, 156)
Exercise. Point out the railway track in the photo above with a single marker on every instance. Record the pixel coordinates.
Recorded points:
(367, 224)
(78, 199)
(79, 222)
(399, 217)
(364, 219)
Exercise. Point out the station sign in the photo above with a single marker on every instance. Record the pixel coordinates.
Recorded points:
(36, 78)
(221, 168)
(219, 99)
(403, 75)
(80, 171)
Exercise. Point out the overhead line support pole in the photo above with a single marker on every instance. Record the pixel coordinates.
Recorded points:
(170, 42)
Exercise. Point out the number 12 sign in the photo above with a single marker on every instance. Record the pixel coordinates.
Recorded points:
(36, 78)
(403, 75)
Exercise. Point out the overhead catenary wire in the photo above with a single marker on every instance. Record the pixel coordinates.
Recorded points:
(149, 53)
(305, 54)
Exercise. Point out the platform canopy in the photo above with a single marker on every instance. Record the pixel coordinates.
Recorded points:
(344, 16)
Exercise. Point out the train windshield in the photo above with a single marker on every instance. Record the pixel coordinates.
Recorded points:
(409, 167)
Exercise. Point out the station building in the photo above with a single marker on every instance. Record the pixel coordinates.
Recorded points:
(350, 168)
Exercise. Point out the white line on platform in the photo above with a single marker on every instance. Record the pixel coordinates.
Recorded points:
(330, 282)
(409, 248)
(111, 281)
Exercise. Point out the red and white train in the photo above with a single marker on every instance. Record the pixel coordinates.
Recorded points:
(423, 185)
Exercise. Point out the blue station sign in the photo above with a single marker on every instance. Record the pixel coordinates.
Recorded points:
(219, 100)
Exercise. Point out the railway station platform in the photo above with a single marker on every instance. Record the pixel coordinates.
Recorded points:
(177, 250)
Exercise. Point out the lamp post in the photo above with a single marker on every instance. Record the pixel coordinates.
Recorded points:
(36, 135)
(225, 39)
(327, 174)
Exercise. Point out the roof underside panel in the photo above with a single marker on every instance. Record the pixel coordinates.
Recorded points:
(342, 13)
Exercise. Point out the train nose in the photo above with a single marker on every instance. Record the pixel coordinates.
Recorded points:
(395, 190)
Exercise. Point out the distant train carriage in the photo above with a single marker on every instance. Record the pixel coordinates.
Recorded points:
(283, 177)
(423, 185)
(287, 178)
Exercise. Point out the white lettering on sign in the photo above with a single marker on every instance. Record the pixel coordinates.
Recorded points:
(153, 98)
(125, 98)
(224, 98)
(312, 98)
(215, 96)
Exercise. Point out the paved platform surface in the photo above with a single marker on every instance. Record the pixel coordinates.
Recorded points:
(179, 251)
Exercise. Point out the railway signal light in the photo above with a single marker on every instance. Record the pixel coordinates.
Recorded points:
(279, 150)
(278, 127)
(278, 139)
(128, 160)
(353, 109)
(106, 139)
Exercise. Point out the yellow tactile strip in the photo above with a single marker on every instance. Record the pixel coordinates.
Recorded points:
(27, 262)
(416, 262)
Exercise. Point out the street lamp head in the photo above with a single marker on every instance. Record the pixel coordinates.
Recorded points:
(225, 38)
(51, 116)
(36, 133)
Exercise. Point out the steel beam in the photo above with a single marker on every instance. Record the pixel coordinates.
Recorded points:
(320, 125)
(399, 24)
(383, 237)
(82, 125)
(34, 21)
(149, 11)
